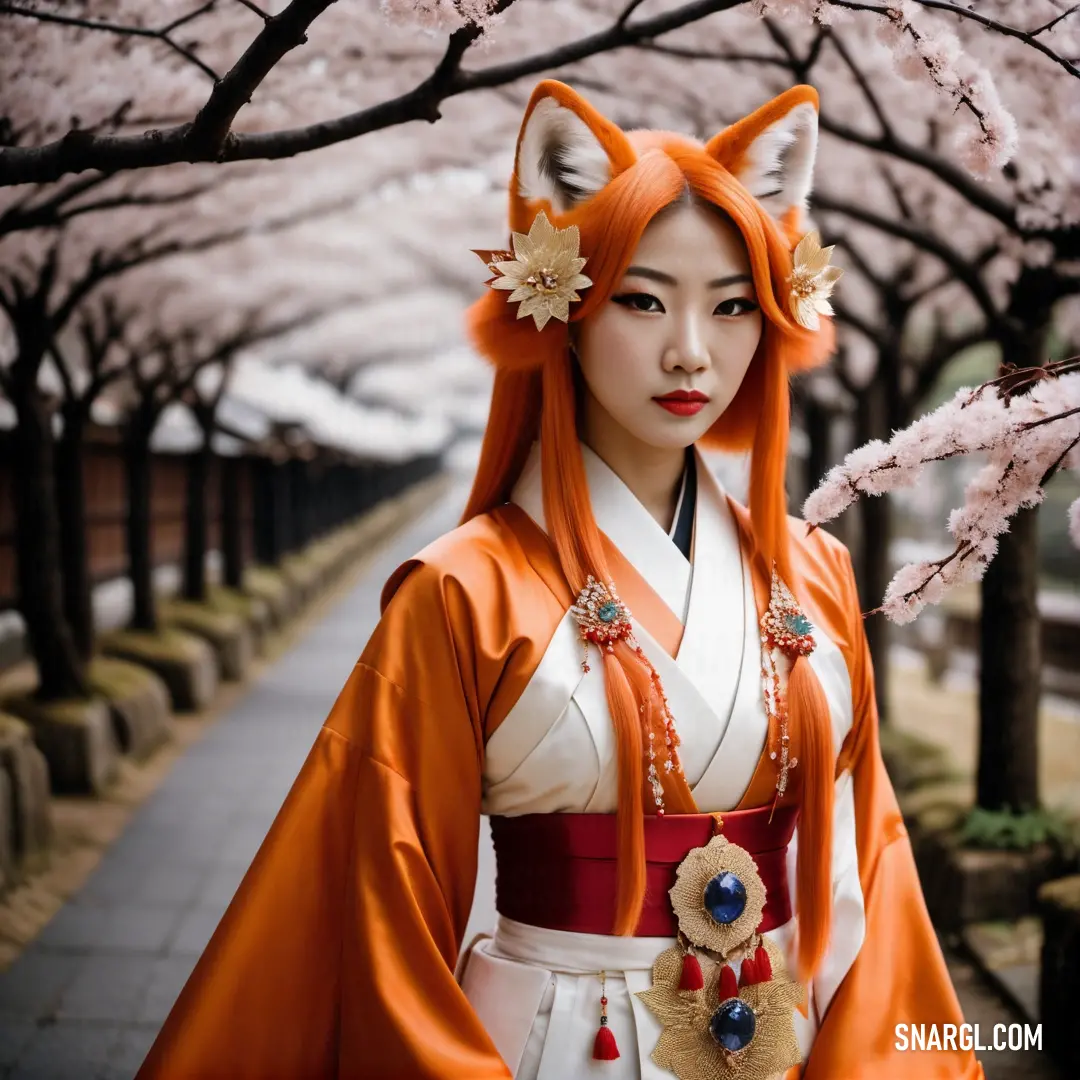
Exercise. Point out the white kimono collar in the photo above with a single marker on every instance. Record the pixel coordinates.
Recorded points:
(626, 522)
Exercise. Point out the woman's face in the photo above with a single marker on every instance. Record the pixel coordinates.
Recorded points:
(665, 356)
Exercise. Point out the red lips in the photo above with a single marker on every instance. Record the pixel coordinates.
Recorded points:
(683, 402)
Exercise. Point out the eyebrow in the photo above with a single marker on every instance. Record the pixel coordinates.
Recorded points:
(667, 279)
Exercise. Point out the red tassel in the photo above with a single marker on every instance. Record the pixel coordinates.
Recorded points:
(728, 987)
(748, 972)
(692, 978)
(763, 964)
(605, 1048)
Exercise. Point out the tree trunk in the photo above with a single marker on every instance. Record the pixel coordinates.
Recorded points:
(74, 547)
(1010, 653)
(1010, 669)
(37, 547)
(873, 421)
(818, 421)
(271, 519)
(299, 492)
(232, 533)
(195, 524)
(139, 543)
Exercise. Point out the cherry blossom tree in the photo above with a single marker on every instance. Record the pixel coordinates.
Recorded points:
(61, 355)
(252, 54)
(1028, 424)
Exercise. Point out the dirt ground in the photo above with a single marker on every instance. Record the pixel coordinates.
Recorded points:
(947, 714)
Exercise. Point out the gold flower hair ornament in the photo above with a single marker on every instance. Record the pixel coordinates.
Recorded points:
(544, 272)
(812, 281)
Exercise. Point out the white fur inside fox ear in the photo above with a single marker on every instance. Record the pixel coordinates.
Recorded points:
(560, 159)
(777, 168)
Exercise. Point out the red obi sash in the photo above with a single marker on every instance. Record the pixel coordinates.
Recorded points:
(558, 870)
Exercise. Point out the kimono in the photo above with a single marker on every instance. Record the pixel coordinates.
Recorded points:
(341, 953)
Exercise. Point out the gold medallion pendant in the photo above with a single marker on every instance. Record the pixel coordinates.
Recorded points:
(717, 1026)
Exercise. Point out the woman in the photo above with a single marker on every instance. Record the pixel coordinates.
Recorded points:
(646, 685)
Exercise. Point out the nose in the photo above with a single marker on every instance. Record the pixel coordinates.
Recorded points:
(687, 350)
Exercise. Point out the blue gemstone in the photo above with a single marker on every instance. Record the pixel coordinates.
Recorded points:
(608, 612)
(725, 897)
(733, 1024)
(798, 624)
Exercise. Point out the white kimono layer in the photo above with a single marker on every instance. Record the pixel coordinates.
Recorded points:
(537, 990)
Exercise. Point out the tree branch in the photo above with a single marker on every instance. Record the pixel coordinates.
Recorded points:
(280, 35)
(77, 151)
(122, 30)
(923, 240)
(851, 318)
(1026, 36)
(944, 170)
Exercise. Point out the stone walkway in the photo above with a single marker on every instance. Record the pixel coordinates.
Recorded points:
(86, 999)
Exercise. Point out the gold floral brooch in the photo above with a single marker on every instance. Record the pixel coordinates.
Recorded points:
(718, 1026)
(543, 272)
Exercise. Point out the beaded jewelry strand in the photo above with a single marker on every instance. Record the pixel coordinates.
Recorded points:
(604, 619)
(786, 629)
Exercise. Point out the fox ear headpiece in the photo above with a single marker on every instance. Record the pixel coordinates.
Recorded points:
(567, 152)
(578, 177)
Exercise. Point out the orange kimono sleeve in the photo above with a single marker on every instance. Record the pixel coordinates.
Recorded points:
(899, 974)
(335, 958)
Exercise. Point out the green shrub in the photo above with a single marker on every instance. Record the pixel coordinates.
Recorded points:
(1010, 830)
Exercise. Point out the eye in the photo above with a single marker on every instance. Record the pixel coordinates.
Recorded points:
(639, 301)
(737, 305)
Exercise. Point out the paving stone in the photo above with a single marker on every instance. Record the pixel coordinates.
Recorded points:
(194, 930)
(32, 986)
(114, 882)
(117, 928)
(15, 1035)
(175, 885)
(76, 927)
(129, 1052)
(167, 978)
(219, 886)
(108, 989)
(66, 1051)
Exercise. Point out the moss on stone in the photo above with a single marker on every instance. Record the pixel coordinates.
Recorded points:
(1063, 893)
(69, 711)
(203, 619)
(232, 602)
(118, 680)
(266, 583)
(169, 644)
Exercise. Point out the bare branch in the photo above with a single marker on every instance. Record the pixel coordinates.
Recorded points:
(629, 10)
(685, 52)
(280, 35)
(868, 93)
(925, 241)
(57, 211)
(851, 318)
(205, 140)
(1026, 36)
(1055, 20)
(976, 194)
(123, 30)
(255, 8)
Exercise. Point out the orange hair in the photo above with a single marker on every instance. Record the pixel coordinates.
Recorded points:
(534, 396)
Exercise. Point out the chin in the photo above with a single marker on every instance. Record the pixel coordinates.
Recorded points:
(678, 438)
